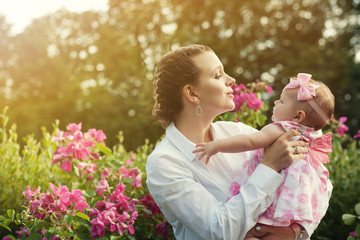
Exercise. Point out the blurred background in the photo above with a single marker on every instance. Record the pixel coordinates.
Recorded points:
(96, 67)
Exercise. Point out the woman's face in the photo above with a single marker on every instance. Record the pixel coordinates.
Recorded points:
(285, 108)
(214, 89)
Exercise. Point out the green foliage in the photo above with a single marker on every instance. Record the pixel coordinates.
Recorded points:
(350, 219)
(344, 172)
(32, 166)
(99, 66)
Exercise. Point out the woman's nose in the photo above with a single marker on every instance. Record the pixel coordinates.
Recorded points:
(230, 80)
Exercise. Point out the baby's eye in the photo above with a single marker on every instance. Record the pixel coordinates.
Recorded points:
(218, 76)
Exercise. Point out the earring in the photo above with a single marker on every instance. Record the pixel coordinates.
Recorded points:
(198, 109)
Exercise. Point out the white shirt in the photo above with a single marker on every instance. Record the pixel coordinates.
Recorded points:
(192, 196)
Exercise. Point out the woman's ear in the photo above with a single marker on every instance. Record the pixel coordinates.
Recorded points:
(189, 94)
(299, 116)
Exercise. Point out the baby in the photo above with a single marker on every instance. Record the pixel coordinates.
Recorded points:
(305, 105)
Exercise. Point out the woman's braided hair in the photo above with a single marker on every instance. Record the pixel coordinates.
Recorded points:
(175, 70)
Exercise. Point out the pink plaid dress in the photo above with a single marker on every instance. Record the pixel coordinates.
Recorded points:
(303, 193)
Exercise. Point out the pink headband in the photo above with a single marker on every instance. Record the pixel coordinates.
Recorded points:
(306, 92)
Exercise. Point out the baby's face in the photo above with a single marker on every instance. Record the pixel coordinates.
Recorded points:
(285, 108)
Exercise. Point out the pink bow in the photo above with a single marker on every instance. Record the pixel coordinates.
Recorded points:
(306, 91)
(319, 148)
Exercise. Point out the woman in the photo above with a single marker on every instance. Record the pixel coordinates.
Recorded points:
(191, 89)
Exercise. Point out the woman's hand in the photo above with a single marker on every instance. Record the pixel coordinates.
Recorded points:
(284, 151)
(266, 232)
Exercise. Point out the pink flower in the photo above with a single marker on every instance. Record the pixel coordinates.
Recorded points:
(163, 229)
(73, 127)
(110, 218)
(102, 187)
(268, 89)
(357, 135)
(132, 205)
(90, 169)
(254, 102)
(119, 197)
(342, 127)
(62, 193)
(353, 234)
(97, 228)
(30, 195)
(106, 172)
(81, 151)
(22, 233)
(103, 205)
(34, 209)
(66, 166)
(238, 88)
(239, 100)
(133, 173)
(64, 156)
(78, 199)
(126, 223)
(60, 136)
(150, 204)
(98, 135)
(46, 200)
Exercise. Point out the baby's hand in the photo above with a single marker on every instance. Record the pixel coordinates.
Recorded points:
(206, 149)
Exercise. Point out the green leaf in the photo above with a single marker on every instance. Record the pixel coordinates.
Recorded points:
(34, 237)
(2, 218)
(147, 211)
(116, 164)
(350, 238)
(4, 226)
(89, 193)
(348, 219)
(11, 213)
(12, 237)
(357, 209)
(68, 219)
(48, 235)
(76, 170)
(83, 216)
(54, 230)
(7, 221)
(104, 149)
(357, 230)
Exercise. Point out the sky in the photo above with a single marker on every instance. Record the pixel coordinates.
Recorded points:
(19, 13)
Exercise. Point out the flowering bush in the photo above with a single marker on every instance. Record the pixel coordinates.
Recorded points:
(108, 198)
(56, 213)
(350, 219)
(249, 106)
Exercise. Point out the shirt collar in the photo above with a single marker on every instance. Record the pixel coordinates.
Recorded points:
(181, 142)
